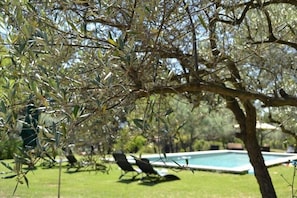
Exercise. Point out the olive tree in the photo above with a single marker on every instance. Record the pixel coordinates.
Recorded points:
(95, 56)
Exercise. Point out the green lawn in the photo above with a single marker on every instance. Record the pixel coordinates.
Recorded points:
(202, 184)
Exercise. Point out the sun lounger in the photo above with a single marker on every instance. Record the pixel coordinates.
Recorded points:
(126, 167)
(146, 167)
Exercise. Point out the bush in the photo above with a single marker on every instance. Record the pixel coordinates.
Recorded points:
(202, 145)
(150, 148)
(136, 144)
(8, 147)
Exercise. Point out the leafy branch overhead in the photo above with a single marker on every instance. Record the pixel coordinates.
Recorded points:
(86, 63)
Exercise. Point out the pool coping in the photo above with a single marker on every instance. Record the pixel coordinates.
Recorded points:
(239, 169)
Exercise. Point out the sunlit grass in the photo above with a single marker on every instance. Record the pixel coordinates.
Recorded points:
(44, 183)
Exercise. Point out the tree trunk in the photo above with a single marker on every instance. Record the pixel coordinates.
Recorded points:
(247, 122)
(249, 137)
(260, 170)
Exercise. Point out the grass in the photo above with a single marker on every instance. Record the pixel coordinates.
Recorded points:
(44, 183)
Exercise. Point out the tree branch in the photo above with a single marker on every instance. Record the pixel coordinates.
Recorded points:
(290, 44)
(238, 21)
(194, 38)
(221, 90)
(283, 128)
(292, 2)
(257, 5)
(271, 36)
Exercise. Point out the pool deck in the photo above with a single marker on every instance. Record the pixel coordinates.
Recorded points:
(285, 158)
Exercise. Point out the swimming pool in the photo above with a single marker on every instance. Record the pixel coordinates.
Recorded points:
(219, 160)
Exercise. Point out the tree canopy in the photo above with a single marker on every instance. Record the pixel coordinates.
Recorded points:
(93, 59)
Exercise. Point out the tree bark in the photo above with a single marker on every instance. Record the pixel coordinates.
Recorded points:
(247, 122)
(249, 138)
(260, 169)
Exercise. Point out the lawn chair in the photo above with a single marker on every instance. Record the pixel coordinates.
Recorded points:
(146, 167)
(126, 167)
(72, 162)
(84, 164)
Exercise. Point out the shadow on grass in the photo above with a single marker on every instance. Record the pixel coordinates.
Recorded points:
(85, 170)
(150, 181)
(128, 181)
(80, 168)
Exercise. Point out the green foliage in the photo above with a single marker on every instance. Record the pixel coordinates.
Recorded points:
(8, 147)
(17, 172)
(131, 143)
(141, 124)
(178, 126)
(202, 145)
(90, 61)
(135, 144)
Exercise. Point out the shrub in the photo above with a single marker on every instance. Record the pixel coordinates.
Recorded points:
(136, 143)
(8, 147)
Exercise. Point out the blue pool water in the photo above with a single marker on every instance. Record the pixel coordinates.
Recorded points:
(221, 160)
(228, 159)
